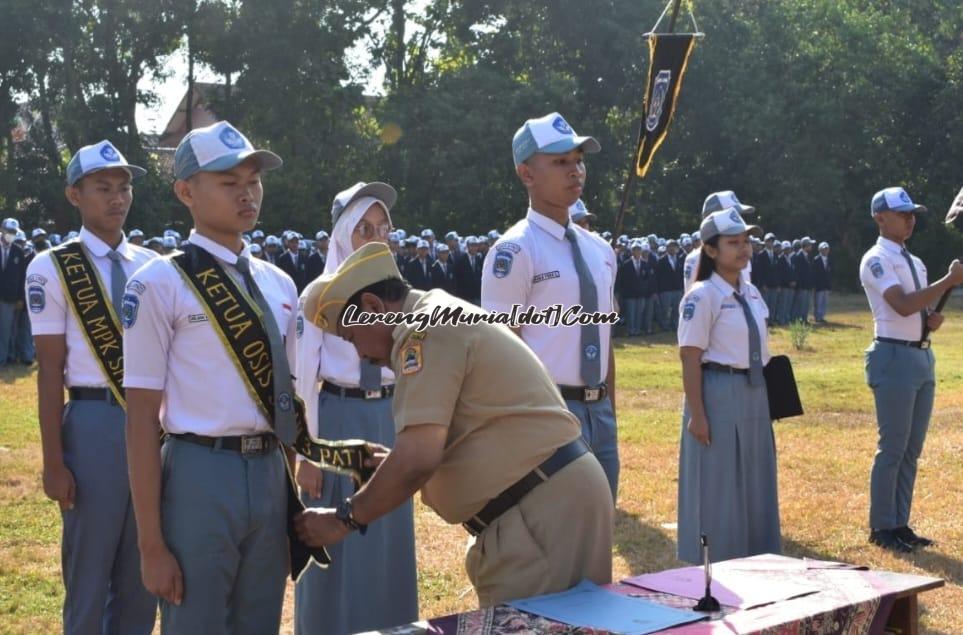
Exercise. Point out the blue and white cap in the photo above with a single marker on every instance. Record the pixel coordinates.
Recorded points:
(134, 233)
(170, 242)
(422, 243)
(381, 191)
(727, 222)
(321, 235)
(217, 148)
(97, 157)
(894, 199)
(257, 233)
(11, 225)
(427, 233)
(40, 231)
(494, 235)
(578, 212)
(550, 134)
(443, 248)
(452, 235)
(823, 245)
(719, 201)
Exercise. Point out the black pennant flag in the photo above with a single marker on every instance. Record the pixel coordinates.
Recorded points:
(669, 57)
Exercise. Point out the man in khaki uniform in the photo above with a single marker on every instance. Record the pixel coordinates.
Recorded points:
(482, 431)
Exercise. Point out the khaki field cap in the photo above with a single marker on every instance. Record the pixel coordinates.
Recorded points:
(324, 299)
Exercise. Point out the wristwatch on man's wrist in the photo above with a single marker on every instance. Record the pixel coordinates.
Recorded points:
(345, 513)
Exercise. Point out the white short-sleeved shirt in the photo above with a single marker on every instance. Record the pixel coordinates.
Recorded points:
(50, 312)
(882, 267)
(532, 265)
(171, 346)
(713, 320)
(690, 269)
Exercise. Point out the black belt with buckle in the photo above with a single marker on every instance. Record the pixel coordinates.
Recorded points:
(511, 496)
(245, 444)
(358, 393)
(923, 344)
(722, 368)
(584, 393)
(85, 393)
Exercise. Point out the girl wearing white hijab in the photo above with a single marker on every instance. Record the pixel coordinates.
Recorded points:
(372, 580)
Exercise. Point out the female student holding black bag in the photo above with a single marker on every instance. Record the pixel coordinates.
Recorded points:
(727, 462)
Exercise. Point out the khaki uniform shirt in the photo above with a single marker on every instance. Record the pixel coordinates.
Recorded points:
(503, 411)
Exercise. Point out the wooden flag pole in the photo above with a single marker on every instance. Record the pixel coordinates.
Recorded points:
(630, 179)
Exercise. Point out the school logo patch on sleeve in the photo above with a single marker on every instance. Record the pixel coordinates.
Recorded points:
(411, 359)
(128, 311)
(299, 326)
(502, 264)
(36, 298)
(876, 268)
(688, 310)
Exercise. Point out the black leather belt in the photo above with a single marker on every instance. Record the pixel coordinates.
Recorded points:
(722, 368)
(245, 444)
(85, 393)
(358, 393)
(511, 496)
(584, 393)
(923, 344)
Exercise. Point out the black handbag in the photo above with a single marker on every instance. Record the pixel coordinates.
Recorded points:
(781, 387)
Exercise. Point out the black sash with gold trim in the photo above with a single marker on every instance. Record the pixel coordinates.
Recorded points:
(237, 321)
(94, 312)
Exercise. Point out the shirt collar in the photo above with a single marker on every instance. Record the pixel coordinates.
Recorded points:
(216, 249)
(890, 245)
(99, 248)
(720, 283)
(554, 229)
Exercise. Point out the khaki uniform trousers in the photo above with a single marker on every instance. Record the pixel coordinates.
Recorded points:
(559, 534)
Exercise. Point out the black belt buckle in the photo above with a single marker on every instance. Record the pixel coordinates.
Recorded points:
(255, 444)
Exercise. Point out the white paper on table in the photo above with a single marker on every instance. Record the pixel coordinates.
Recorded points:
(741, 588)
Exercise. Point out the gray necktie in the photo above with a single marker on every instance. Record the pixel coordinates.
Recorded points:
(285, 426)
(591, 357)
(118, 281)
(755, 344)
(916, 283)
(370, 376)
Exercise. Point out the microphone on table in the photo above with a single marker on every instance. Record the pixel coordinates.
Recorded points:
(707, 604)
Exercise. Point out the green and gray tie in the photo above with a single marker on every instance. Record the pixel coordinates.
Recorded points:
(118, 282)
(756, 377)
(590, 366)
(285, 425)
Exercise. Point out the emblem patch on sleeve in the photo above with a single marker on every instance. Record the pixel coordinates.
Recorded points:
(688, 311)
(411, 360)
(876, 267)
(128, 311)
(502, 264)
(36, 298)
(299, 326)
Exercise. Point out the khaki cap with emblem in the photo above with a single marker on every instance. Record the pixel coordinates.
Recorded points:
(324, 299)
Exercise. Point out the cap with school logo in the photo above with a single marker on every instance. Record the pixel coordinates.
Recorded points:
(321, 235)
(893, 199)
(422, 244)
(324, 299)
(550, 134)
(719, 201)
(38, 232)
(134, 233)
(11, 225)
(727, 222)
(97, 157)
(578, 212)
(217, 148)
(381, 191)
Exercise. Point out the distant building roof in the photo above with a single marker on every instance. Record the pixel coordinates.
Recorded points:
(201, 114)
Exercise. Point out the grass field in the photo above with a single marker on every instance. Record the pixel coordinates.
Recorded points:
(824, 463)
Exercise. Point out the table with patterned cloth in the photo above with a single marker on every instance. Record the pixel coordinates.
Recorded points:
(850, 600)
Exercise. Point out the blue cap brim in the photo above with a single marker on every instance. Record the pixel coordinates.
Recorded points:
(266, 160)
(904, 209)
(587, 144)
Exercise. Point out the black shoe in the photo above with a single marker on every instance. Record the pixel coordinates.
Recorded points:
(889, 539)
(909, 536)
